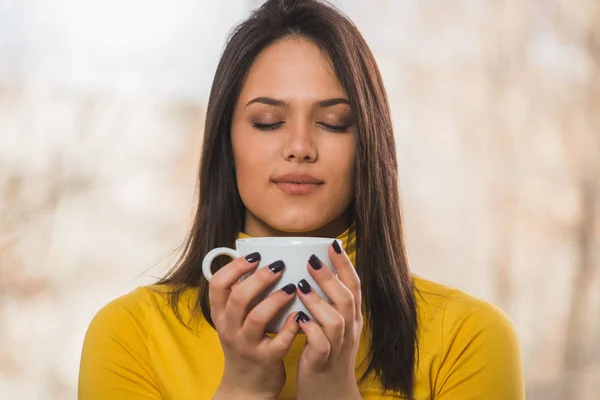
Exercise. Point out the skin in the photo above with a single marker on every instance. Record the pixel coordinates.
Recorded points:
(296, 74)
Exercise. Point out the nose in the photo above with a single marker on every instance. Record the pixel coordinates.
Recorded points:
(300, 145)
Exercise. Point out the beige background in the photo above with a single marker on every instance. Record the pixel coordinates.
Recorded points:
(496, 106)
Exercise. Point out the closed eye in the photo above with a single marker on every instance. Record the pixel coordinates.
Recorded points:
(267, 127)
(335, 128)
(273, 126)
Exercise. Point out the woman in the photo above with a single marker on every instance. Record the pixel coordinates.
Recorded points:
(299, 141)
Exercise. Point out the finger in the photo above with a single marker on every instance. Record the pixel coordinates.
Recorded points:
(282, 342)
(318, 348)
(340, 295)
(242, 296)
(220, 285)
(347, 274)
(332, 321)
(258, 318)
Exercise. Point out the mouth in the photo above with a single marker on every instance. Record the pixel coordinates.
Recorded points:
(298, 184)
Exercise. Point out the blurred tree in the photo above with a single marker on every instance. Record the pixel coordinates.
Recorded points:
(580, 27)
(505, 44)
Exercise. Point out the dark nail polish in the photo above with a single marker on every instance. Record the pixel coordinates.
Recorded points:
(301, 316)
(304, 286)
(289, 288)
(315, 262)
(336, 247)
(253, 257)
(277, 266)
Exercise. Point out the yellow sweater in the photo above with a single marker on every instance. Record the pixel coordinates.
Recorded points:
(135, 348)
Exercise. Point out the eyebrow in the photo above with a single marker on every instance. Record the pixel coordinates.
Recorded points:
(280, 103)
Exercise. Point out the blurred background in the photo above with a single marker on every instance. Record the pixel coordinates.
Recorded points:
(496, 107)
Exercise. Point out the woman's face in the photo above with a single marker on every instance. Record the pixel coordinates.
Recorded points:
(293, 143)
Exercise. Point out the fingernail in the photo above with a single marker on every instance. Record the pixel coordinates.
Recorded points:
(304, 286)
(277, 266)
(289, 288)
(301, 317)
(315, 262)
(336, 247)
(253, 257)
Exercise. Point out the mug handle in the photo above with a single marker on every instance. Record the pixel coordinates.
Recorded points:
(210, 256)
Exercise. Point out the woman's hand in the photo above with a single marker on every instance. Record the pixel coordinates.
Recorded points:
(326, 366)
(254, 366)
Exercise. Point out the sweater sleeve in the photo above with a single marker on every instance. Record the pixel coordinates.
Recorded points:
(480, 353)
(115, 363)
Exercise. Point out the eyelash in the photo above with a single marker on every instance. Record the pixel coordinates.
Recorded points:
(272, 127)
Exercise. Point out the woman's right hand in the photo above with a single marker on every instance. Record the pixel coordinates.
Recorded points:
(253, 361)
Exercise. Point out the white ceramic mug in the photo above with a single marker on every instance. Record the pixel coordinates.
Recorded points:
(294, 252)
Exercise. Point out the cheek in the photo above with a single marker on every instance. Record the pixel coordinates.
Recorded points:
(253, 158)
(341, 163)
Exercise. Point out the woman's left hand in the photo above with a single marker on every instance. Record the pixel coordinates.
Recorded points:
(327, 363)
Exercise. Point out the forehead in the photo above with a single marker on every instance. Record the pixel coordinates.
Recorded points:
(292, 68)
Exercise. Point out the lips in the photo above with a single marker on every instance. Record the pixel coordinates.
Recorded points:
(298, 179)
(297, 184)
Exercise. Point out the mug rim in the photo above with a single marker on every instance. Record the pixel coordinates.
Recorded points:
(286, 240)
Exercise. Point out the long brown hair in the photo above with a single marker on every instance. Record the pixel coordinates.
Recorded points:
(387, 288)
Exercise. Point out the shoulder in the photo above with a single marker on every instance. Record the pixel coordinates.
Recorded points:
(454, 320)
(115, 359)
(129, 314)
(457, 307)
(472, 343)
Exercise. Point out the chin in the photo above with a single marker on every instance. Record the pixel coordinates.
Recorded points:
(296, 222)
(295, 227)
